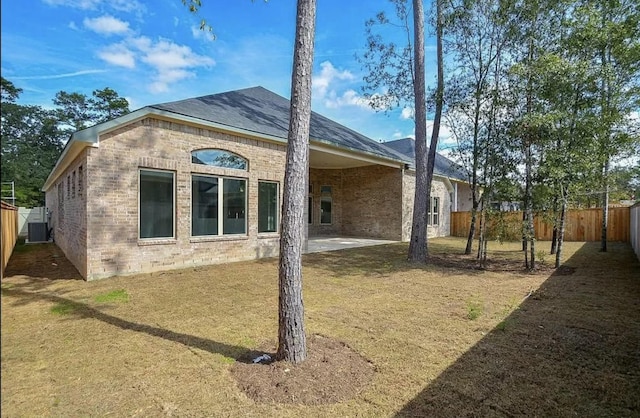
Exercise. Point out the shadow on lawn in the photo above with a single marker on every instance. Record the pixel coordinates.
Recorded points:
(382, 260)
(79, 310)
(571, 349)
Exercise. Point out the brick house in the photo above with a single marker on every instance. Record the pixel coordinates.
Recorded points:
(199, 181)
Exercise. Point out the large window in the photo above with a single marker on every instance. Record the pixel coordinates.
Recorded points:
(157, 204)
(219, 158)
(433, 217)
(218, 206)
(267, 207)
(325, 205)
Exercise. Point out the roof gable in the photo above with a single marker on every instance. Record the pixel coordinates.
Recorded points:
(261, 111)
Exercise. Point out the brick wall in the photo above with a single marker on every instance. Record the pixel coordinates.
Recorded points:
(113, 169)
(66, 201)
(366, 202)
(372, 202)
(438, 189)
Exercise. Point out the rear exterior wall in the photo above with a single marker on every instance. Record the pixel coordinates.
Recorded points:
(113, 245)
(366, 202)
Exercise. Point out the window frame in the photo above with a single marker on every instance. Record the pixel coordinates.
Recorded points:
(173, 237)
(277, 205)
(326, 195)
(245, 160)
(431, 215)
(220, 212)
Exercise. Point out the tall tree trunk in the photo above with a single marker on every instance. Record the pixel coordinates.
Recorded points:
(292, 341)
(418, 242)
(435, 133)
(474, 172)
(563, 215)
(605, 206)
(554, 236)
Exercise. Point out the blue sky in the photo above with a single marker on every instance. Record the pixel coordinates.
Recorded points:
(153, 52)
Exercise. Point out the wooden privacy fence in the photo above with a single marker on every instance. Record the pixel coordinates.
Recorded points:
(9, 232)
(580, 224)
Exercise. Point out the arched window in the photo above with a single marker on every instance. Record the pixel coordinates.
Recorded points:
(219, 158)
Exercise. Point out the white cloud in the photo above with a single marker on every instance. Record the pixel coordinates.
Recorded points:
(202, 34)
(120, 5)
(72, 25)
(107, 25)
(172, 62)
(78, 4)
(118, 55)
(54, 76)
(407, 113)
(348, 98)
(328, 75)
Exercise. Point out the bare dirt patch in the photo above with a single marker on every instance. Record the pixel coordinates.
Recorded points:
(332, 372)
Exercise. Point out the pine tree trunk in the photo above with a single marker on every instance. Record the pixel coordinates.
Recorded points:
(418, 242)
(292, 342)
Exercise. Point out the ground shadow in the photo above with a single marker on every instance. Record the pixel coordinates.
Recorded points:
(571, 349)
(44, 261)
(385, 259)
(79, 310)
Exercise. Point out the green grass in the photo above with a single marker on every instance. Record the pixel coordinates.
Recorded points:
(119, 295)
(65, 308)
(474, 308)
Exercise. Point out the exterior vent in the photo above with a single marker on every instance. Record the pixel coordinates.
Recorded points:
(37, 232)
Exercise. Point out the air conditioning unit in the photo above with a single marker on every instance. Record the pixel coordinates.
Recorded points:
(37, 232)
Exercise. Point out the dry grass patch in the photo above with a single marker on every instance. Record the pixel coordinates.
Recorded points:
(544, 344)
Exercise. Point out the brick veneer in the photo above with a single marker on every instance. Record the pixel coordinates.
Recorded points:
(98, 231)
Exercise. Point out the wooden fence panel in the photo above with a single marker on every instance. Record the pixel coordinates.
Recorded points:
(9, 233)
(580, 224)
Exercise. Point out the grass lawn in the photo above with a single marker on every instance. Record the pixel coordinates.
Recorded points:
(445, 340)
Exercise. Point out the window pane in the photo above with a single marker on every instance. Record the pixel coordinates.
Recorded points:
(204, 205)
(267, 207)
(156, 204)
(325, 210)
(219, 158)
(234, 202)
(325, 189)
(310, 210)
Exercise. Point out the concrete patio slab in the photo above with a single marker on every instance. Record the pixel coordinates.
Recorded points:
(320, 244)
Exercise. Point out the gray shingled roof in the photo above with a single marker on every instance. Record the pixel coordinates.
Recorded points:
(261, 111)
(443, 166)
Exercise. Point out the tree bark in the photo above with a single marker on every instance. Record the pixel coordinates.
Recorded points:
(292, 342)
(563, 214)
(418, 242)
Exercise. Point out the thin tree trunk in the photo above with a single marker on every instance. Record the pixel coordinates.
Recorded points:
(418, 242)
(554, 236)
(605, 207)
(563, 214)
(472, 227)
(292, 341)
